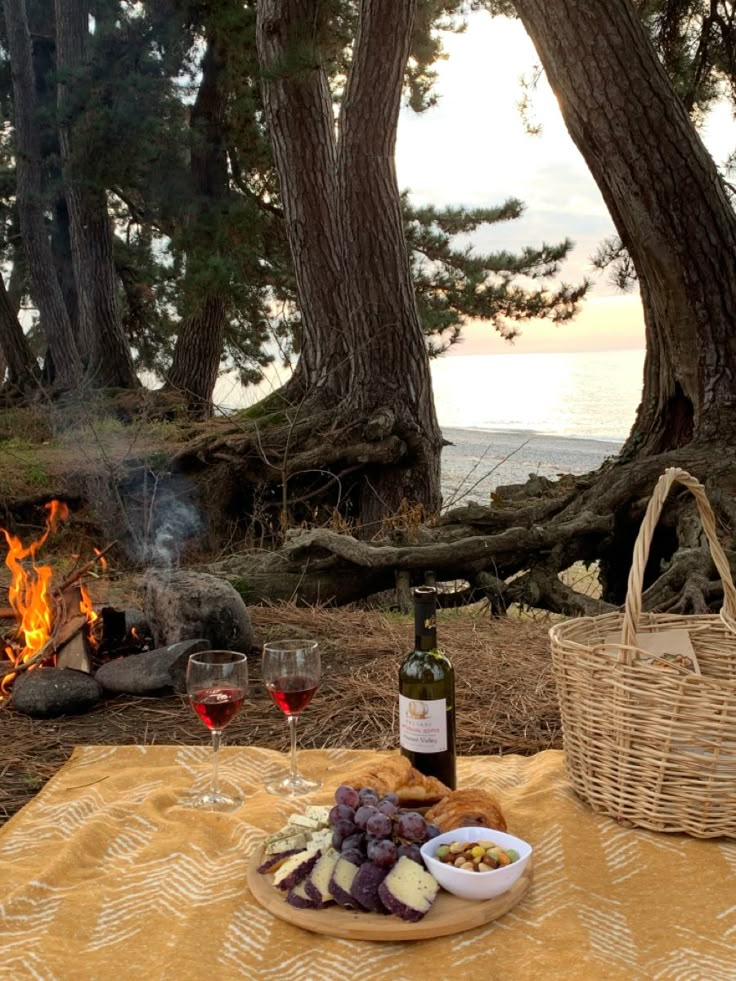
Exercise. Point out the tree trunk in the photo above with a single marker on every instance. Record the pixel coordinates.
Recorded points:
(19, 361)
(667, 201)
(301, 126)
(388, 342)
(198, 349)
(107, 354)
(44, 284)
(43, 33)
(362, 346)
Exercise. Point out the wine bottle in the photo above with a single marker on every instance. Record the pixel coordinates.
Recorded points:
(427, 697)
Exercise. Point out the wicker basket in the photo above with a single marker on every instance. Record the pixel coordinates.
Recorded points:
(651, 746)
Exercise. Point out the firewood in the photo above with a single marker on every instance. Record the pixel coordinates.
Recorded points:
(76, 576)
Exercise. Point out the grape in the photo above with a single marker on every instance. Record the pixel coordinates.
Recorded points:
(347, 795)
(355, 842)
(392, 798)
(412, 827)
(378, 825)
(354, 856)
(363, 814)
(387, 807)
(432, 831)
(341, 830)
(412, 852)
(368, 796)
(341, 811)
(382, 853)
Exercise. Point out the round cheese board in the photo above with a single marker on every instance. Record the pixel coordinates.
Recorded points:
(448, 915)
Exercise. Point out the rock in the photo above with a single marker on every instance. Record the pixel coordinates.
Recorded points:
(48, 692)
(136, 620)
(183, 605)
(151, 671)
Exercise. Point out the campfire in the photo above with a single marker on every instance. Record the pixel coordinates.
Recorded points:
(55, 625)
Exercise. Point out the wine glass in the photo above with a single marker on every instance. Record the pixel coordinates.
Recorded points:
(291, 674)
(217, 683)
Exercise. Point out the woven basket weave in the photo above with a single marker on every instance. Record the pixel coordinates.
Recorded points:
(653, 746)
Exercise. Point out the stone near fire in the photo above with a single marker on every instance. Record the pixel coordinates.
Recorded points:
(136, 620)
(48, 692)
(183, 605)
(151, 671)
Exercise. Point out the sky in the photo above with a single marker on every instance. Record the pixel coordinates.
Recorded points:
(472, 149)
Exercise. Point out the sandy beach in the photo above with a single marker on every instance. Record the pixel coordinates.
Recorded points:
(478, 460)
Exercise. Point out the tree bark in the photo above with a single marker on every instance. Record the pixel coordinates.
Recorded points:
(14, 350)
(108, 360)
(667, 201)
(301, 127)
(43, 48)
(388, 342)
(198, 348)
(362, 343)
(45, 287)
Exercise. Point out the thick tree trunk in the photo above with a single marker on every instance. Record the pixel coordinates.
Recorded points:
(301, 126)
(43, 282)
(668, 204)
(388, 341)
(198, 349)
(106, 351)
(14, 350)
(43, 33)
(362, 346)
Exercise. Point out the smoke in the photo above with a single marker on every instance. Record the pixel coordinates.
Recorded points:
(172, 522)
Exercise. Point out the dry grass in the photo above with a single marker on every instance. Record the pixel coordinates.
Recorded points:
(505, 695)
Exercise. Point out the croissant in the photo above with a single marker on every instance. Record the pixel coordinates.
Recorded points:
(465, 808)
(395, 774)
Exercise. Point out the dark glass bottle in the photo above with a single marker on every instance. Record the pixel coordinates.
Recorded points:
(427, 697)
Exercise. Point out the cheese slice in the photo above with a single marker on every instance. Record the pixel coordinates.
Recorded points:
(284, 841)
(302, 821)
(320, 840)
(304, 858)
(319, 813)
(318, 882)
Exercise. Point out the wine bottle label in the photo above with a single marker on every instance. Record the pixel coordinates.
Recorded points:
(423, 725)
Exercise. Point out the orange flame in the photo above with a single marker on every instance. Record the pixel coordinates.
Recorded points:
(103, 561)
(86, 607)
(29, 590)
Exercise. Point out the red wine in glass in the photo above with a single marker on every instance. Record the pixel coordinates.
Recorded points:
(291, 674)
(217, 682)
(292, 694)
(216, 706)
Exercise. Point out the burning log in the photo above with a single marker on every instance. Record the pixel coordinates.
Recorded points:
(50, 621)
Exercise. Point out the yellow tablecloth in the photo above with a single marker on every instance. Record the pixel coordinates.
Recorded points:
(104, 876)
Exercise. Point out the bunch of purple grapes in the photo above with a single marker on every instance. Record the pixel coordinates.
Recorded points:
(369, 828)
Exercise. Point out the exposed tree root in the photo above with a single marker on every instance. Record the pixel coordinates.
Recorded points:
(514, 550)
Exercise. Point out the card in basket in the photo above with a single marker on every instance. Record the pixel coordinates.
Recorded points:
(668, 649)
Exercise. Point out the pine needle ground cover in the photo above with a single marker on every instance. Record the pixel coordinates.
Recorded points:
(506, 701)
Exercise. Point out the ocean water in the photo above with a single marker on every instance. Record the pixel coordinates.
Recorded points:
(507, 416)
(512, 415)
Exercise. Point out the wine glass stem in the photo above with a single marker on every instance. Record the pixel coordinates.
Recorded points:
(292, 732)
(216, 738)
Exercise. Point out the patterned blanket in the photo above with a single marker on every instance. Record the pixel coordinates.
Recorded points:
(105, 876)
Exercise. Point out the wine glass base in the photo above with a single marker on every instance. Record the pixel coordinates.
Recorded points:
(292, 786)
(213, 802)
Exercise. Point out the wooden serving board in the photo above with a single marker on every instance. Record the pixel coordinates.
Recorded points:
(448, 915)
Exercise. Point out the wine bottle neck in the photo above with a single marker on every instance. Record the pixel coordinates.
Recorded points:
(426, 641)
(425, 621)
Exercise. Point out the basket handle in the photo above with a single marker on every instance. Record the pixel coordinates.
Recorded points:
(632, 610)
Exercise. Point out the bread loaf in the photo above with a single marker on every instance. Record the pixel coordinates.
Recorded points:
(395, 774)
(466, 808)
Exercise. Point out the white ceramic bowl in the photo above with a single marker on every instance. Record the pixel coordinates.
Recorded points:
(476, 885)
